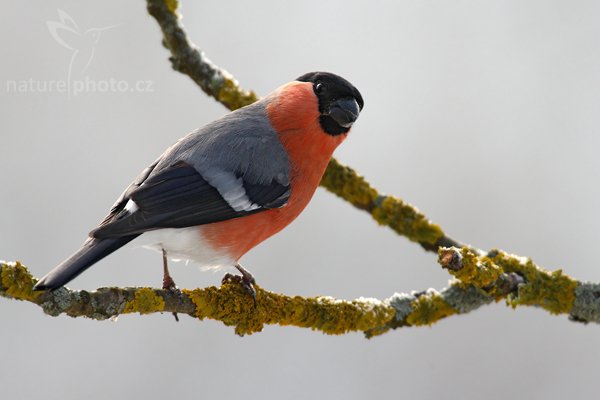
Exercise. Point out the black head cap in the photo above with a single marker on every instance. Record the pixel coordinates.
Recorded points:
(339, 101)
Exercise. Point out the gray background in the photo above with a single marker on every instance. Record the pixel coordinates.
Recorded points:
(484, 114)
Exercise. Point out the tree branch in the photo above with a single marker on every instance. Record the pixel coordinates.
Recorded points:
(232, 305)
(553, 291)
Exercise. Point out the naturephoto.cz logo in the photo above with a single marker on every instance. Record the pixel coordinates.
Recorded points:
(82, 46)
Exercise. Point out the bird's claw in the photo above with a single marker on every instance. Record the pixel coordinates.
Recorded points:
(169, 284)
(246, 280)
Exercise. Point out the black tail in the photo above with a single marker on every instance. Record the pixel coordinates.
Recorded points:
(92, 251)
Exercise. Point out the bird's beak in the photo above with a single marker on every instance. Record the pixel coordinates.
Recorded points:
(344, 111)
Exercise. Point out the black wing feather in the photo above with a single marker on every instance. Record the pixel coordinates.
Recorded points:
(178, 197)
(269, 196)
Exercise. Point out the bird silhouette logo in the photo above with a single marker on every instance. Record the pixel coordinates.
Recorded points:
(82, 43)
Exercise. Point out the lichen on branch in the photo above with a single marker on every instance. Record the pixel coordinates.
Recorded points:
(553, 291)
(229, 304)
(187, 59)
(232, 305)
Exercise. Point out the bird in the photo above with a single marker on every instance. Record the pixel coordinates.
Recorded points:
(229, 185)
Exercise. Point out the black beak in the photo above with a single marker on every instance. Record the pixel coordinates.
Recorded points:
(344, 111)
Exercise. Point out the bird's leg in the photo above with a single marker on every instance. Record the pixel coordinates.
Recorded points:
(246, 279)
(168, 282)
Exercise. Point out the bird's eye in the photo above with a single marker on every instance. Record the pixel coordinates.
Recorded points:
(319, 87)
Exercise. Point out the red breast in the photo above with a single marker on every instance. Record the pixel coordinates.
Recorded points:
(293, 113)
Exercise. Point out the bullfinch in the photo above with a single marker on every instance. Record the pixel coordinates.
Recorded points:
(226, 187)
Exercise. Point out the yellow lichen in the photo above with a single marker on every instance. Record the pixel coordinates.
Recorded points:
(428, 309)
(552, 291)
(479, 271)
(347, 184)
(232, 305)
(17, 281)
(146, 301)
(406, 220)
(333, 316)
(172, 5)
(402, 217)
(232, 96)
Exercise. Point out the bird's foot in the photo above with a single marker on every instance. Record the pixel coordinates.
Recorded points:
(169, 283)
(245, 279)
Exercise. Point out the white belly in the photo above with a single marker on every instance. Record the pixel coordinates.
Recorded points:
(185, 244)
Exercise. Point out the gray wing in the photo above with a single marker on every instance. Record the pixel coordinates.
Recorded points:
(233, 167)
